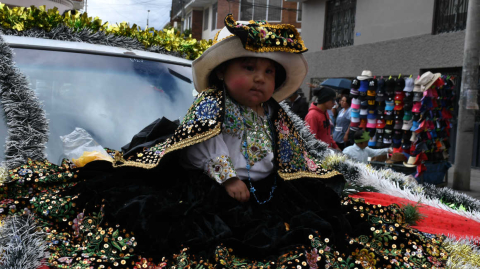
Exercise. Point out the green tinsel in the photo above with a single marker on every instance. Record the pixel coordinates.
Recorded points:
(20, 19)
(412, 214)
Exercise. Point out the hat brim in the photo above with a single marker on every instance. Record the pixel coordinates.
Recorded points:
(409, 165)
(364, 77)
(435, 77)
(295, 65)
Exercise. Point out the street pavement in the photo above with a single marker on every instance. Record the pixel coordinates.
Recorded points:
(474, 182)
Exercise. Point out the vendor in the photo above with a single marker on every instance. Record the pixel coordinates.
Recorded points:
(360, 151)
(342, 126)
(318, 118)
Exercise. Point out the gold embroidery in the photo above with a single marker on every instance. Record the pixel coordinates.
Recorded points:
(297, 175)
(179, 145)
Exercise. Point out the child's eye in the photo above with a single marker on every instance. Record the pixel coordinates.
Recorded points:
(249, 68)
(270, 71)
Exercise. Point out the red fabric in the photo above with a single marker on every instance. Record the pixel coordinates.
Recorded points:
(397, 150)
(437, 221)
(319, 122)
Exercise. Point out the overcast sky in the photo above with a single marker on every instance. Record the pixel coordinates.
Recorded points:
(132, 11)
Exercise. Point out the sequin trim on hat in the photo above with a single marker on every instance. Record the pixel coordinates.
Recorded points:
(260, 36)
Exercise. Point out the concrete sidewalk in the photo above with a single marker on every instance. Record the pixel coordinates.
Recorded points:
(474, 183)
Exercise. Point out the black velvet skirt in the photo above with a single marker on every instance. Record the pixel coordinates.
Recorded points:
(169, 209)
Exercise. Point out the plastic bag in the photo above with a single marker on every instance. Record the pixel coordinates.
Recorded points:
(80, 147)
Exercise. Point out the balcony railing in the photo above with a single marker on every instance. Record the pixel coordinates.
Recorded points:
(340, 23)
(450, 16)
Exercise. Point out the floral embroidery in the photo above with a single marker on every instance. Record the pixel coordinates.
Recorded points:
(294, 161)
(285, 151)
(207, 110)
(221, 169)
(233, 123)
(312, 258)
(83, 240)
(259, 36)
(365, 258)
(312, 166)
(283, 128)
(257, 133)
(151, 155)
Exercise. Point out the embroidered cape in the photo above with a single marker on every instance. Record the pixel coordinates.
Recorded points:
(204, 120)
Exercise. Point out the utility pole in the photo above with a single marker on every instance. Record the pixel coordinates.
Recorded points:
(86, 6)
(148, 15)
(467, 99)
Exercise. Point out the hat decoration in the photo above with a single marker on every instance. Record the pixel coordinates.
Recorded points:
(260, 36)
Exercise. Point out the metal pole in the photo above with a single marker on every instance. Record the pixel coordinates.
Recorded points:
(86, 6)
(467, 99)
(148, 15)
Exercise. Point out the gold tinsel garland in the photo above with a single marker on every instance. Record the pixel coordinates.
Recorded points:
(21, 19)
(3, 174)
(463, 253)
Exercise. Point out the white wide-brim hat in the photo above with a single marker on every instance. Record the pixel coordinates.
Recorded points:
(366, 74)
(428, 78)
(227, 46)
(411, 162)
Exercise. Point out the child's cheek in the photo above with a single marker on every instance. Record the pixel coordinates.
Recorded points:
(238, 83)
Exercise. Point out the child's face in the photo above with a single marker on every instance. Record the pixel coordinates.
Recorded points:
(250, 82)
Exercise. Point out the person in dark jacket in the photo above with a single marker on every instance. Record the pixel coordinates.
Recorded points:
(298, 104)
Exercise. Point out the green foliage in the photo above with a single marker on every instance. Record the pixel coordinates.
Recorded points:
(21, 19)
(412, 214)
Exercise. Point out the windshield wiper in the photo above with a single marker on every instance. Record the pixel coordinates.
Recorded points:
(180, 76)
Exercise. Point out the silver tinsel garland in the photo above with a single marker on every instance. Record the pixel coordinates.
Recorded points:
(24, 115)
(65, 33)
(385, 180)
(22, 245)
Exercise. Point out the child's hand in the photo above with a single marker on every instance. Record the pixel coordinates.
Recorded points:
(237, 189)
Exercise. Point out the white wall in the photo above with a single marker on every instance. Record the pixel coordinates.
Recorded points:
(375, 21)
(65, 5)
(209, 34)
(381, 20)
(313, 24)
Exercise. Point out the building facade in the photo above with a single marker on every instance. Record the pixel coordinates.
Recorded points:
(205, 17)
(62, 5)
(389, 38)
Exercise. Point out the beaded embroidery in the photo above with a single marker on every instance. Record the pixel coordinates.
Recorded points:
(294, 162)
(202, 122)
(212, 113)
(221, 169)
(260, 36)
(83, 240)
(258, 138)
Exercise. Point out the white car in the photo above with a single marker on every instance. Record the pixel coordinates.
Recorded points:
(111, 92)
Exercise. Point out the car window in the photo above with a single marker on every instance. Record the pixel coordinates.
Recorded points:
(112, 98)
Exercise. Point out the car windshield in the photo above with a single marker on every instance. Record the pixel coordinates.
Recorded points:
(111, 97)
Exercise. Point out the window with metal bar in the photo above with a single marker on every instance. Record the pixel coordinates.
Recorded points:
(205, 19)
(269, 10)
(214, 16)
(299, 12)
(339, 23)
(450, 16)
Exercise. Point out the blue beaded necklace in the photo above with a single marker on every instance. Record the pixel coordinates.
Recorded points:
(247, 158)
